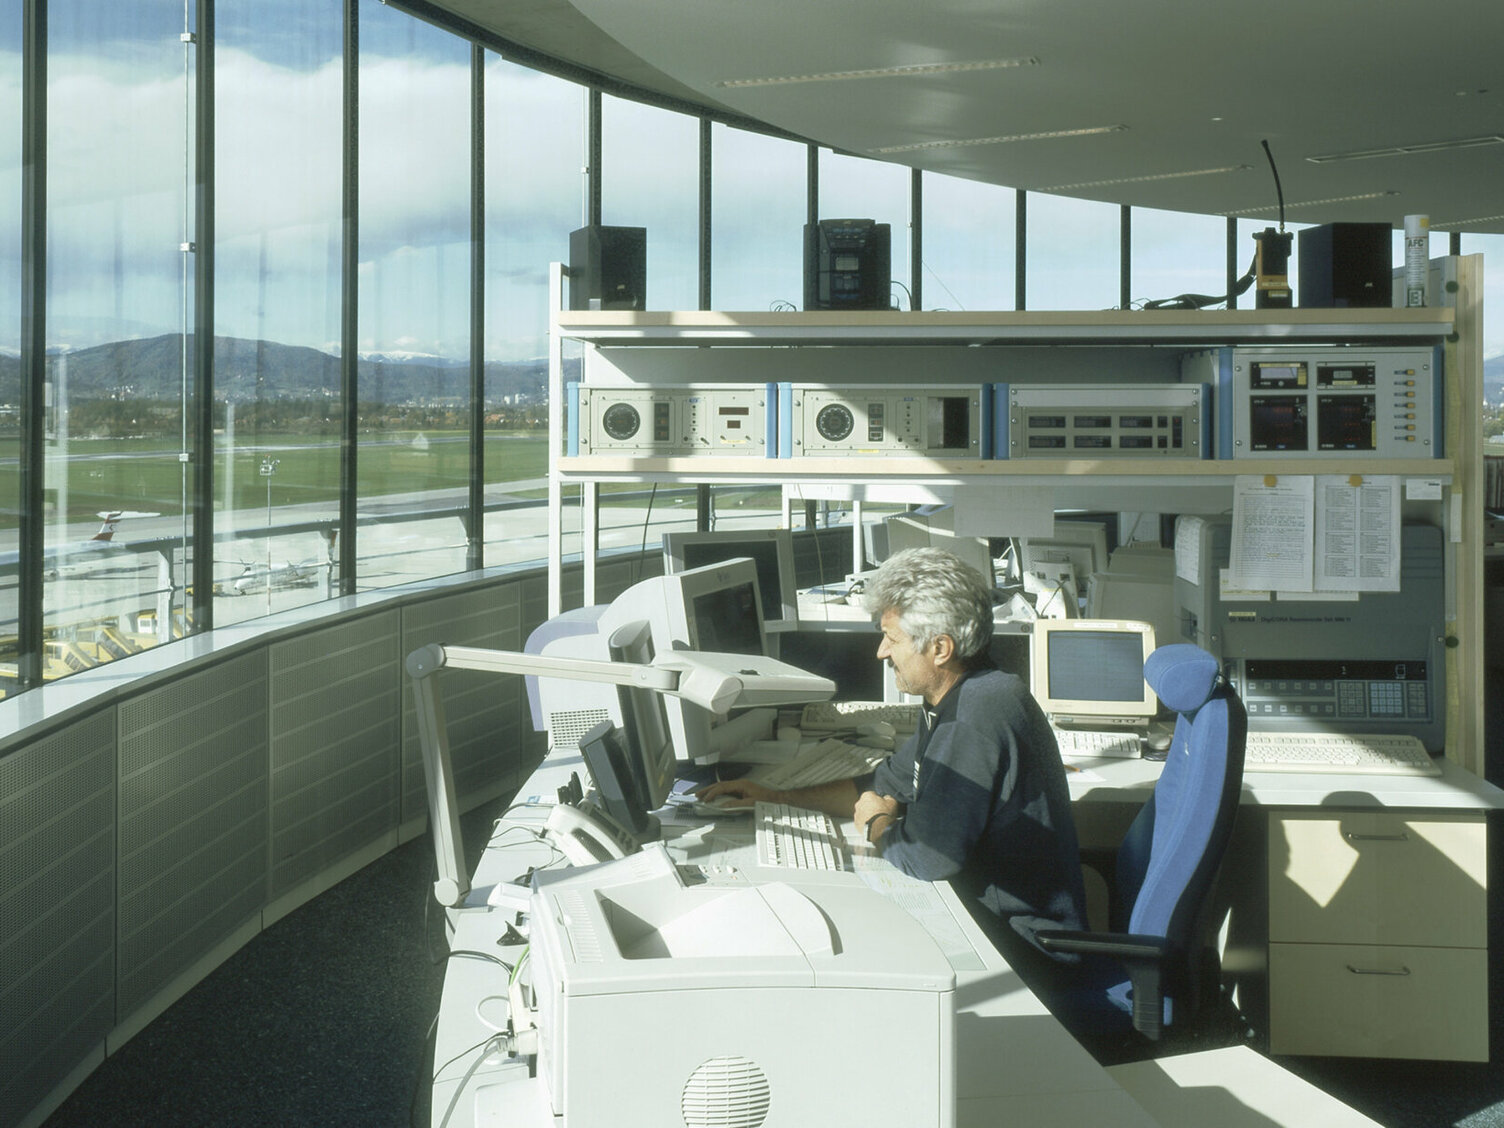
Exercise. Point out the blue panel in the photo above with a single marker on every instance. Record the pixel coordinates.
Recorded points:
(572, 396)
(999, 405)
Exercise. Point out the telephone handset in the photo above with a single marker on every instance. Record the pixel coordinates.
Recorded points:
(586, 837)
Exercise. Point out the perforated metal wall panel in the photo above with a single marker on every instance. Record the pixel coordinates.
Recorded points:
(491, 741)
(334, 718)
(192, 843)
(57, 908)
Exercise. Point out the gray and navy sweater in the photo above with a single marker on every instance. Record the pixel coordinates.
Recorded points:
(985, 805)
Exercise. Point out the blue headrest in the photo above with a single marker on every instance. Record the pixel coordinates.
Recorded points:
(1182, 675)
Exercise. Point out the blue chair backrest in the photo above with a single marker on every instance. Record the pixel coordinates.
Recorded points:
(1170, 857)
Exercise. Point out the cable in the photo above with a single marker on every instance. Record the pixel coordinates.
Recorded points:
(1279, 192)
(1201, 301)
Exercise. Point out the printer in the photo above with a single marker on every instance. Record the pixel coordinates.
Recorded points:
(662, 998)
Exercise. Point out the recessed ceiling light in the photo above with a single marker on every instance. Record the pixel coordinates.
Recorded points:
(1465, 223)
(1145, 179)
(1315, 203)
(962, 142)
(1400, 150)
(907, 70)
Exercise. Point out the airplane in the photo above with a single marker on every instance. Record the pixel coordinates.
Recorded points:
(259, 577)
(72, 559)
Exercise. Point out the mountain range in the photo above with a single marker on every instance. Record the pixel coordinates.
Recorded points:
(245, 371)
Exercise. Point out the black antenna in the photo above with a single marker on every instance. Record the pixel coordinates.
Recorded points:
(1278, 191)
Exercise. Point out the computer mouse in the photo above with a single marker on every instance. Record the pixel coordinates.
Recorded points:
(875, 734)
(1157, 744)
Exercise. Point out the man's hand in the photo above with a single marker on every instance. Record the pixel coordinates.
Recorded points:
(869, 805)
(741, 789)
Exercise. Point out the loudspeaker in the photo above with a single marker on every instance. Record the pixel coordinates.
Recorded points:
(1346, 265)
(609, 264)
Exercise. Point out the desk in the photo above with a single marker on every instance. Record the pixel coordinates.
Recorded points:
(1015, 1062)
(1357, 912)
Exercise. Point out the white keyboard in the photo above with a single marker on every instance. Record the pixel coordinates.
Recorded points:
(1372, 754)
(835, 716)
(797, 838)
(1114, 743)
(819, 763)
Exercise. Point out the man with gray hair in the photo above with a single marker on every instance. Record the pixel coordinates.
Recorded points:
(977, 795)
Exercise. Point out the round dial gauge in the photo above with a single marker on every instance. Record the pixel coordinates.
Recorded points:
(834, 421)
(621, 421)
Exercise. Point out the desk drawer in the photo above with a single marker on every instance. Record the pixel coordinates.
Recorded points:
(1371, 1001)
(1378, 878)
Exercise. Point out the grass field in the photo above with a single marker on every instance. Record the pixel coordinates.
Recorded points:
(146, 474)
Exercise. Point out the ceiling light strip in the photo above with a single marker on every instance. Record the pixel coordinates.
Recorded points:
(963, 142)
(1402, 150)
(1315, 203)
(1146, 179)
(907, 70)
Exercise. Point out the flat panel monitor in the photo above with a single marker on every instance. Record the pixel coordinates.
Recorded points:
(644, 721)
(772, 550)
(1090, 672)
(1082, 544)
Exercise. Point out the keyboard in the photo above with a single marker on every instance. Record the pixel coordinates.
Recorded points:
(827, 760)
(797, 838)
(836, 716)
(1114, 743)
(1343, 753)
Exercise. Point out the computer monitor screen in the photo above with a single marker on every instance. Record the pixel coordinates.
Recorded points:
(1082, 543)
(1091, 671)
(713, 607)
(772, 550)
(644, 720)
(617, 788)
(932, 527)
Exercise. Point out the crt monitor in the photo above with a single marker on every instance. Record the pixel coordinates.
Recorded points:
(934, 527)
(1090, 672)
(1082, 544)
(714, 607)
(772, 550)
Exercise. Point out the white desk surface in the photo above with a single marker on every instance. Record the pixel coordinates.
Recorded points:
(1456, 789)
(1016, 1063)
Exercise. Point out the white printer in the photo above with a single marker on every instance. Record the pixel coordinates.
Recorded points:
(662, 1001)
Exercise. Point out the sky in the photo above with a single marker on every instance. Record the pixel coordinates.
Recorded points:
(120, 124)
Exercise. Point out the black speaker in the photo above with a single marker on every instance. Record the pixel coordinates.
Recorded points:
(608, 264)
(847, 264)
(1346, 265)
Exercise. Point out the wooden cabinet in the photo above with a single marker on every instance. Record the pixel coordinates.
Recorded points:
(1378, 934)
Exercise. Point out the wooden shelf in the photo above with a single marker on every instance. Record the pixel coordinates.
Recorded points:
(615, 328)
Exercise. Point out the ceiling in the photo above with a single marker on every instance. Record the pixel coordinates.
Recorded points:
(1154, 103)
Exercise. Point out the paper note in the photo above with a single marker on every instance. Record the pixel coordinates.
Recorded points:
(1271, 533)
(1357, 533)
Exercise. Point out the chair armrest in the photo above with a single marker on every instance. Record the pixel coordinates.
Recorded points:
(1128, 947)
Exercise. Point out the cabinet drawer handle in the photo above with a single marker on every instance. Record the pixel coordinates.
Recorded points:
(1353, 836)
(1377, 971)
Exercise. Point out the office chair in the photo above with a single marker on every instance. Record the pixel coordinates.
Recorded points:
(1166, 870)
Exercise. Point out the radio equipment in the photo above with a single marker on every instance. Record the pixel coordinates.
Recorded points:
(682, 419)
(1103, 421)
(1325, 402)
(936, 422)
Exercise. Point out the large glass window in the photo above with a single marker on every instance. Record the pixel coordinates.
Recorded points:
(650, 177)
(534, 199)
(757, 220)
(1178, 253)
(278, 93)
(119, 286)
(10, 335)
(1073, 254)
(968, 244)
(413, 458)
